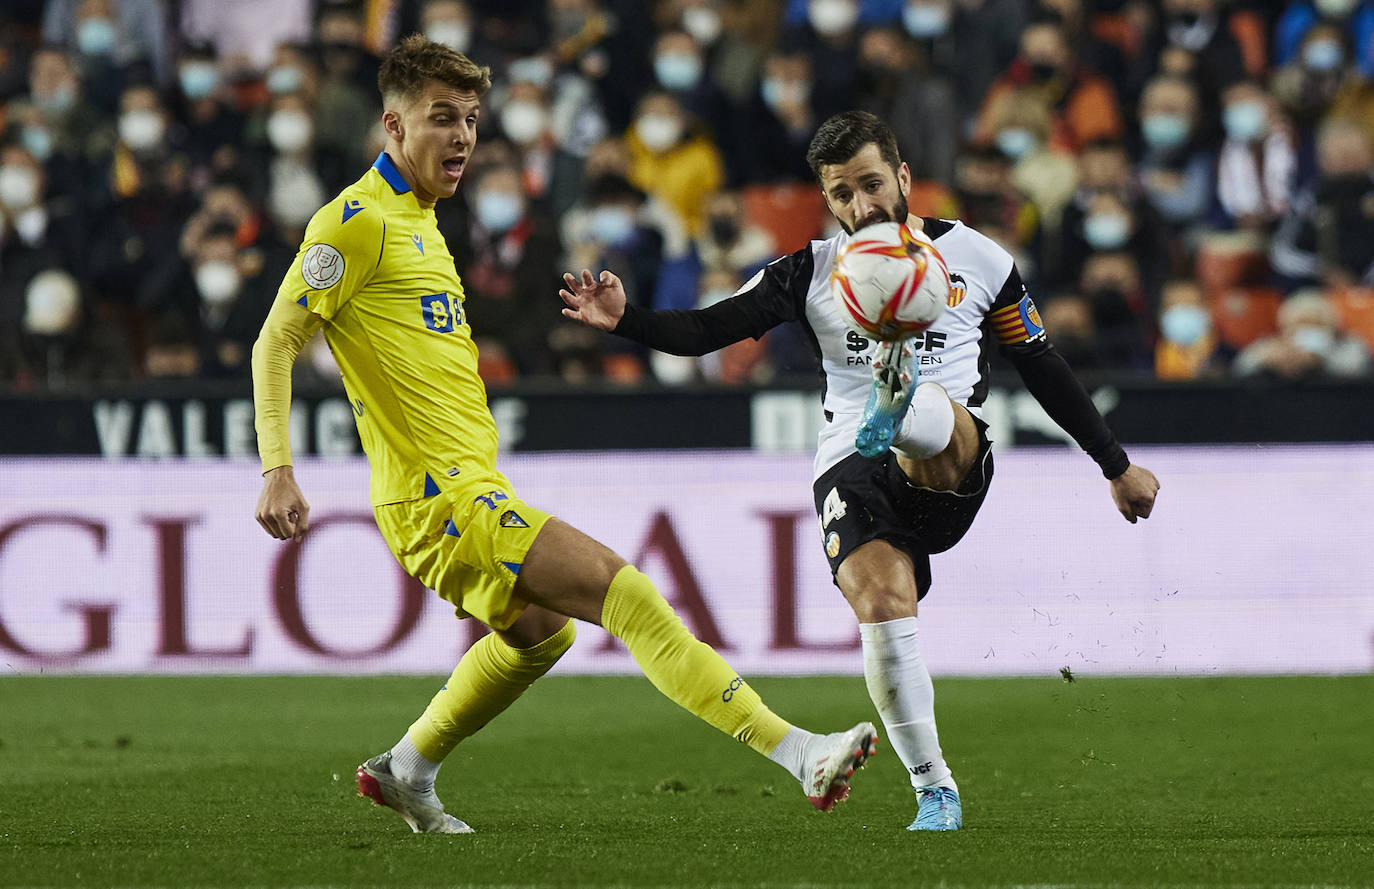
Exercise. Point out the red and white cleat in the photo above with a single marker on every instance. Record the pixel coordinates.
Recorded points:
(421, 809)
(841, 753)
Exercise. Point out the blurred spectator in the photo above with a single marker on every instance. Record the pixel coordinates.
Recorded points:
(1188, 348)
(1083, 105)
(902, 84)
(509, 262)
(989, 203)
(526, 122)
(747, 31)
(1257, 164)
(1175, 169)
(112, 34)
(246, 33)
(214, 129)
(1343, 217)
(450, 22)
(673, 159)
(230, 293)
(729, 242)
(830, 38)
(1114, 289)
(987, 34)
(1107, 212)
(300, 174)
(347, 104)
(680, 69)
(780, 122)
(1068, 318)
(59, 128)
(1353, 19)
(1344, 161)
(1309, 343)
(1195, 40)
(1044, 174)
(1322, 79)
(738, 363)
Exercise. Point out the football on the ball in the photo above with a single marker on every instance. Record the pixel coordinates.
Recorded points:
(889, 282)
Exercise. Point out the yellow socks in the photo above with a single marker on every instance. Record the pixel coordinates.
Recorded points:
(685, 669)
(486, 681)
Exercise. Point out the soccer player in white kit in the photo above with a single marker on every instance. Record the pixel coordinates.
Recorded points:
(903, 461)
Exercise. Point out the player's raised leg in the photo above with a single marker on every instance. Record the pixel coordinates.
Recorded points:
(878, 581)
(568, 572)
(490, 676)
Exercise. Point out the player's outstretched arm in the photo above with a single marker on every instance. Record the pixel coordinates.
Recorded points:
(281, 510)
(1134, 491)
(598, 302)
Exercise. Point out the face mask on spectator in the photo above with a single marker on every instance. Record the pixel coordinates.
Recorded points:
(38, 140)
(778, 92)
(612, 226)
(1323, 55)
(1244, 121)
(523, 121)
(454, 34)
(96, 37)
(1106, 231)
(1184, 325)
(703, 23)
(1016, 142)
(218, 282)
(1316, 340)
(59, 101)
(924, 20)
(832, 17)
(677, 71)
(1335, 9)
(52, 303)
(658, 132)
(18, 187)
(531, 69)
(1164, 131)
(289, 131)
(284, 79)
(199, 80)
(141, 129)
(499, 211)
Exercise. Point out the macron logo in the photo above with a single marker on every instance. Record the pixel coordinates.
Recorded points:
(351, 209)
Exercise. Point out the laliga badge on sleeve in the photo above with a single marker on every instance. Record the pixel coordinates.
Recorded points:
(322, 267)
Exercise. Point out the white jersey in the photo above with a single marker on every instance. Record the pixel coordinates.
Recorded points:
(949, 352)
(989, 307)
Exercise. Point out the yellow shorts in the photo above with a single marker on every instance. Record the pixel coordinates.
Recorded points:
(467, 543)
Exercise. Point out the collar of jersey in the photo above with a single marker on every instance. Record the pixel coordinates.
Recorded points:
(384, 165)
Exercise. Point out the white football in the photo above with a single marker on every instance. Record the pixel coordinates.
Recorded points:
(889, 282)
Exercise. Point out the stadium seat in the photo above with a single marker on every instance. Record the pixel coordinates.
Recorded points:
(793, 212)
(1227, 260)
(1356, 308)
(1244, 314)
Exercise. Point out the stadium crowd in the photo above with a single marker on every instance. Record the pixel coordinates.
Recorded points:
(1186, 185)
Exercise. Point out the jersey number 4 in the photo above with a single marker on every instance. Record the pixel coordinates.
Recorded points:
(832, 508)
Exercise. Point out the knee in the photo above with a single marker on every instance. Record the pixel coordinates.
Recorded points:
(876, 601)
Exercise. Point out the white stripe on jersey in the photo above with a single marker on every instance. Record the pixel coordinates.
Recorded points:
(947, 352)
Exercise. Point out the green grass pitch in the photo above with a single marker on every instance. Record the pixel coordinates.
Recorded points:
(229, 782)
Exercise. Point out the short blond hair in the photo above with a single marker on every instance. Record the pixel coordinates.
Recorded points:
(416, 60)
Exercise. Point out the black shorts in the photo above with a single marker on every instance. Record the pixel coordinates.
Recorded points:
(861, 499)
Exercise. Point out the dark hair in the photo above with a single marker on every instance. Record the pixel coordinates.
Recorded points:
(417, 59)
(844, 135)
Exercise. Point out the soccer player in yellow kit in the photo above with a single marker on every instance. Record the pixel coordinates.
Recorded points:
(375, 274)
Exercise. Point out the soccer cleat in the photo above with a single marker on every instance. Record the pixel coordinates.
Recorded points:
(937, 808)
(894, 382)
(421, 809)
(841, 754)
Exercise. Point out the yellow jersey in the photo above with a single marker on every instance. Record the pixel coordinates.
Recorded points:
(373, 265)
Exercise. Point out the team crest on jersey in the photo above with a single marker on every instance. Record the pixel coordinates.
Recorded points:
(511, 519)
(957, 290)
(832, 544)
(322, 267)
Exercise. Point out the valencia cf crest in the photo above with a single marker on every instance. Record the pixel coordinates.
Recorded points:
(511, 519)
(832, 544)
(957, 290)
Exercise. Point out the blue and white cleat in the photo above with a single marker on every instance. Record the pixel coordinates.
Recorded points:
(894, 382)
(937, 808)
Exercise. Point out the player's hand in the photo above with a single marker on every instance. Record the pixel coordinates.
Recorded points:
(598, 302)
(1134, 491)
(282, 510)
